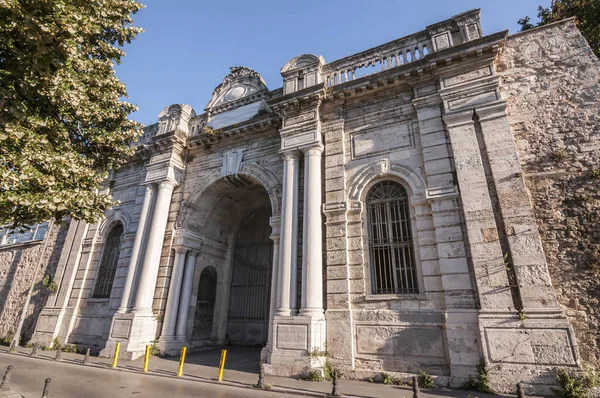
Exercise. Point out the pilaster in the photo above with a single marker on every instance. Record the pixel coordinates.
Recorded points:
(343, 229)
(185, 297)
(522, 235)
(523, 333)
(275, 222)
(486, 253)
(461, 323)
(173, 305)
(55, 317)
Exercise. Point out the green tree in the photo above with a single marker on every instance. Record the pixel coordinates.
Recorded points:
(63, 125)
(586, 13)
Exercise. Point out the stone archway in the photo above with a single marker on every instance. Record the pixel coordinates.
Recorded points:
(231, 218)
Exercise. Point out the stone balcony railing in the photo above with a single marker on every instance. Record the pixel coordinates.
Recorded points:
(454, 31)
(395, 53)
(148, 134)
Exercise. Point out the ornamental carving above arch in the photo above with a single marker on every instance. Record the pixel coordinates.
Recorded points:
(380, 168)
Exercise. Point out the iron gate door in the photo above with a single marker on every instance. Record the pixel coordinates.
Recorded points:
(248, 319)
(205, 304)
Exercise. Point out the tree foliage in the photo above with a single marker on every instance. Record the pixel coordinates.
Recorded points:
(586, 13)
(63, 124)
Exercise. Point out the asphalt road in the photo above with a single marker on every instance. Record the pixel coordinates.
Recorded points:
(76, 381)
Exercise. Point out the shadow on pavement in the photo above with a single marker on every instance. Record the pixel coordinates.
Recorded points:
(239, 358)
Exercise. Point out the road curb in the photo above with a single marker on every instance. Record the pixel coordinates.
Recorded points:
(278, 390)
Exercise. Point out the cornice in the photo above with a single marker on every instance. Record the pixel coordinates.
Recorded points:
(307, 96)
(250, 126)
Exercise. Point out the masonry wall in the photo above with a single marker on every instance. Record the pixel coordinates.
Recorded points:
(372, 330)
(551, 81)
(91, 323)
(17, 268)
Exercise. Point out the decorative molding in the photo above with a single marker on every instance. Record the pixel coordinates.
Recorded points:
(188, 239)
(449, 191)
(112, 217)
(232, 161)
(383, 167)
(240, 87)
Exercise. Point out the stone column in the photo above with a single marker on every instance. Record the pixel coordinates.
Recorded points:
(156, 235)
(312, 242)
(286, 294)
(275, 222)
(447, 267)
(517, 219)
(170, 317)
(135, 251)
(186, 296)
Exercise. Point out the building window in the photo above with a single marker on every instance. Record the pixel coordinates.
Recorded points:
(390, 240)
(24, 234)
(108, 263)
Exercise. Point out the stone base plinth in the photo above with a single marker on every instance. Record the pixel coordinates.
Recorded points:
(134, 331)
(296, 340)
(528, 349)
(47, 327)
(170, 345)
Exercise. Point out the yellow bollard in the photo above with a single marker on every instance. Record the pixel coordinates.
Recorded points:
(146, 359)
(222, 365)
(181, 361)
(116, 358)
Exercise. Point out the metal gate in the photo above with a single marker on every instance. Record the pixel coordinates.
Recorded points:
(248, 319)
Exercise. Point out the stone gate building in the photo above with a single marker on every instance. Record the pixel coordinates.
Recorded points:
(404, 208)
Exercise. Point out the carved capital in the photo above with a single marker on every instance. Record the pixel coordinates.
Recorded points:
(180, 250)
(167, 184)
(315, 150)
(492, 111)
(458, 118)
(290, 155)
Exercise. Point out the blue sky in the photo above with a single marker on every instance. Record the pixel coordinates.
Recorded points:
(189, 45)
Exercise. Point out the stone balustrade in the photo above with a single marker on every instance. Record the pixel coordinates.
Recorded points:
(148, 134)
(405, 50)
(395, 53)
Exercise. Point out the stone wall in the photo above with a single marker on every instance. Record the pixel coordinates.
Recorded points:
(551, 81)
(17, 268)
(93, 315)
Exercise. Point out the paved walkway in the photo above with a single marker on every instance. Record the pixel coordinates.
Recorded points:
(240, 372)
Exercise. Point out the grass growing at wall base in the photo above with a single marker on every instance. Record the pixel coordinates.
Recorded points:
(576, 384)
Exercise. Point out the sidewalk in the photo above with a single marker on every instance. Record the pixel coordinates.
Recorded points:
(167, 368)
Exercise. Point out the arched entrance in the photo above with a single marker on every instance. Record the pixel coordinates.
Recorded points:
(248, 316)
(232, 293)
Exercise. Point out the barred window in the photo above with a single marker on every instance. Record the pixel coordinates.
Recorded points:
(108, 263)
(390, 240)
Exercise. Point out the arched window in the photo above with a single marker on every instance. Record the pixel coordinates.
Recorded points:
(108, 263)
(390, 240)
